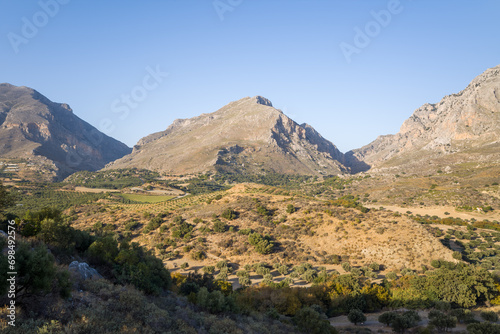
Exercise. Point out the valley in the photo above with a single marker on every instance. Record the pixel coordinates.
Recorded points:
(247, 221)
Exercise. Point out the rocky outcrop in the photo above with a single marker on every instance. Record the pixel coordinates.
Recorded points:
(462, 122)
(32, 126)
(83, 271)
(248, 135)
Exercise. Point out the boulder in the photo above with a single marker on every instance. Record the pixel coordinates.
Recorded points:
(83, 270)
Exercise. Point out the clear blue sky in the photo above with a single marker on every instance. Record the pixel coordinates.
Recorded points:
(89, 53)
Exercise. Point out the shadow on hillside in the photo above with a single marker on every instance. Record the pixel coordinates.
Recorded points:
(356, 165)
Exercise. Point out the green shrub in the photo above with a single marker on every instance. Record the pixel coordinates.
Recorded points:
(154, 223)
(483, 328)
(262, 244)
(489, 316)
(356, 316)
(229, 214)
(132, 225)
(219, 226)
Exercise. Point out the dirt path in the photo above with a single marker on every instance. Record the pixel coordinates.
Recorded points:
(440, 212)
(376, 327)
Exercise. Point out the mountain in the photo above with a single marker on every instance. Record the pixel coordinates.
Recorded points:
(47, 133)
(248, 135)
(463, 127)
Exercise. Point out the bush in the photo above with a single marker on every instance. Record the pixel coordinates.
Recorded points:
(35, 269)
(387, 318)
(346, 266)
(401, 322)
(262, 244)
(134, 265)
(263, 211)
(245, 231)
(198, 255)
(489, 316)
(483, 328)
(219, 226)
(356, 316)
(103, 251)
(131, 225)
(213, 302)
(154, 223)
(290, 208)
(208, 269)
(229, 214)
(283, 270)
(182, 228)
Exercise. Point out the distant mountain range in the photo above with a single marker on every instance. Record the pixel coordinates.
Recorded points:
(251, 136)
(34, 128)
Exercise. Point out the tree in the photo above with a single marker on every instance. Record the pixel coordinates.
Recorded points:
(309, 275)
(483, 328)
(489, 316)
(310, 321)
(442, 321)
(103, 250)
(464, 285)
(283, 270)
(387, 318)
(244, 280)
(404, 321)
(356, 316)
(290, 208)
(55, 232)
(35, 269)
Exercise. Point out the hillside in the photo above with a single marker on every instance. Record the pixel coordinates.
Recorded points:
(49, 135)
(461, 128)
(245, 136)
(317, 232)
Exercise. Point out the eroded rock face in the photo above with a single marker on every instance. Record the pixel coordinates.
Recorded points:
(248, 135)
(459, 122)
(83, 271)
(33, 127)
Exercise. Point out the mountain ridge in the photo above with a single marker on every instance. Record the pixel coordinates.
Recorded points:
(465, 121)
(33, 127)
(247, 135)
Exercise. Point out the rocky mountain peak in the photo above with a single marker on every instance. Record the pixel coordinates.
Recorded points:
(247, 135)
(461, 122)
(34, 128)
(262, 100)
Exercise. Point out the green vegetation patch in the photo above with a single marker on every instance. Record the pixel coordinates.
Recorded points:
(145, 198)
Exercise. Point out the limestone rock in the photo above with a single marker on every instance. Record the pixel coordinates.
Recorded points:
(83, 270)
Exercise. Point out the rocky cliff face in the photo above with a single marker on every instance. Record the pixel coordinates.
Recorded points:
(35, 128)
(247, 135)
(467, 122)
